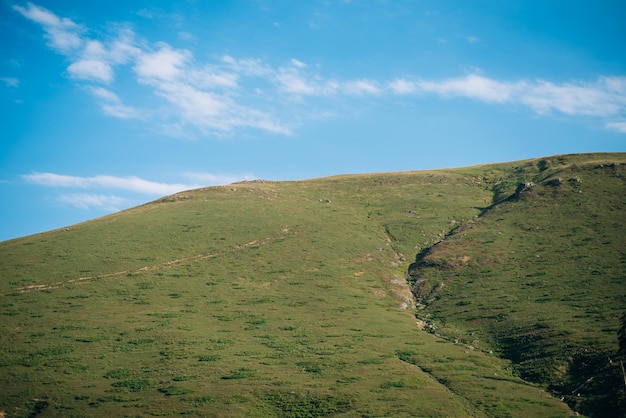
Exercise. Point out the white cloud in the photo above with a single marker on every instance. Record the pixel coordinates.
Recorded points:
(93, 201)
(10, 81)
(91, 69)
(130, 187)
(603, 98)
(615, 85)
(57, 180)
(298, 63)
(292, 81)
(62, 33)
(361, 87)
(402, 86)
(112, 105)
(120, 111)
(39, 15)
(264, 122)
(91, 59)
(104, 94)
(248, 67)
(165, 64)
(191, 91)
(209, 110)
(471, 86)
(196, 106)
(139, 185)
(94, 49)
(616, 126)
(123, 48)
(93, 64)
(211, 77)
(230, 93)
(131, 183)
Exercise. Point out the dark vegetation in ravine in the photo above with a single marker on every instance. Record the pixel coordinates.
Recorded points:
(487, 291)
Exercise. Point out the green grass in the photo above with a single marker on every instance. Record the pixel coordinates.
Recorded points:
(540, 279)
(290, 299)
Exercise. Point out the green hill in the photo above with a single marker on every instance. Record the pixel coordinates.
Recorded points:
(296, 299)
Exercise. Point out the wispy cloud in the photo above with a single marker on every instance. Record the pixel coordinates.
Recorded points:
(362, 87)
(63, 34)
(56, 180)
(247, 67)
(10, 81)
(292, 81)
(166, 64)
(172, 73)
(603, 98)
(402, 86)
(210, 110)
(471, 86)
(113, 193)
(91, 69)
(139, 185)
(617, 126)
(91, 59)
(131, 183)
(93, 201)
(298, 64)
(228, 93)
(112, 105)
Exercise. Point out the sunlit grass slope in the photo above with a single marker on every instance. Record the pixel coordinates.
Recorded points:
(291, 299)
(540, 278)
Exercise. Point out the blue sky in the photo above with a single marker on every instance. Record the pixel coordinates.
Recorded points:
(107, 104)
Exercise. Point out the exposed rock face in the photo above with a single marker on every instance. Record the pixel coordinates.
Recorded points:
(523, 187)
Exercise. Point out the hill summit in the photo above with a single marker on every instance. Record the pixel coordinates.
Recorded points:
(488, 291)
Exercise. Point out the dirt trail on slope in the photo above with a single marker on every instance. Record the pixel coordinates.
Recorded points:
(158, 266)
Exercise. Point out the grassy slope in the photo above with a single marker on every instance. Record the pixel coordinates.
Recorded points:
(541, 278)
(265, 298)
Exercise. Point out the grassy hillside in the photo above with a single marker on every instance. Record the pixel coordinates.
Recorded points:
(540, 278)
(292, 299)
